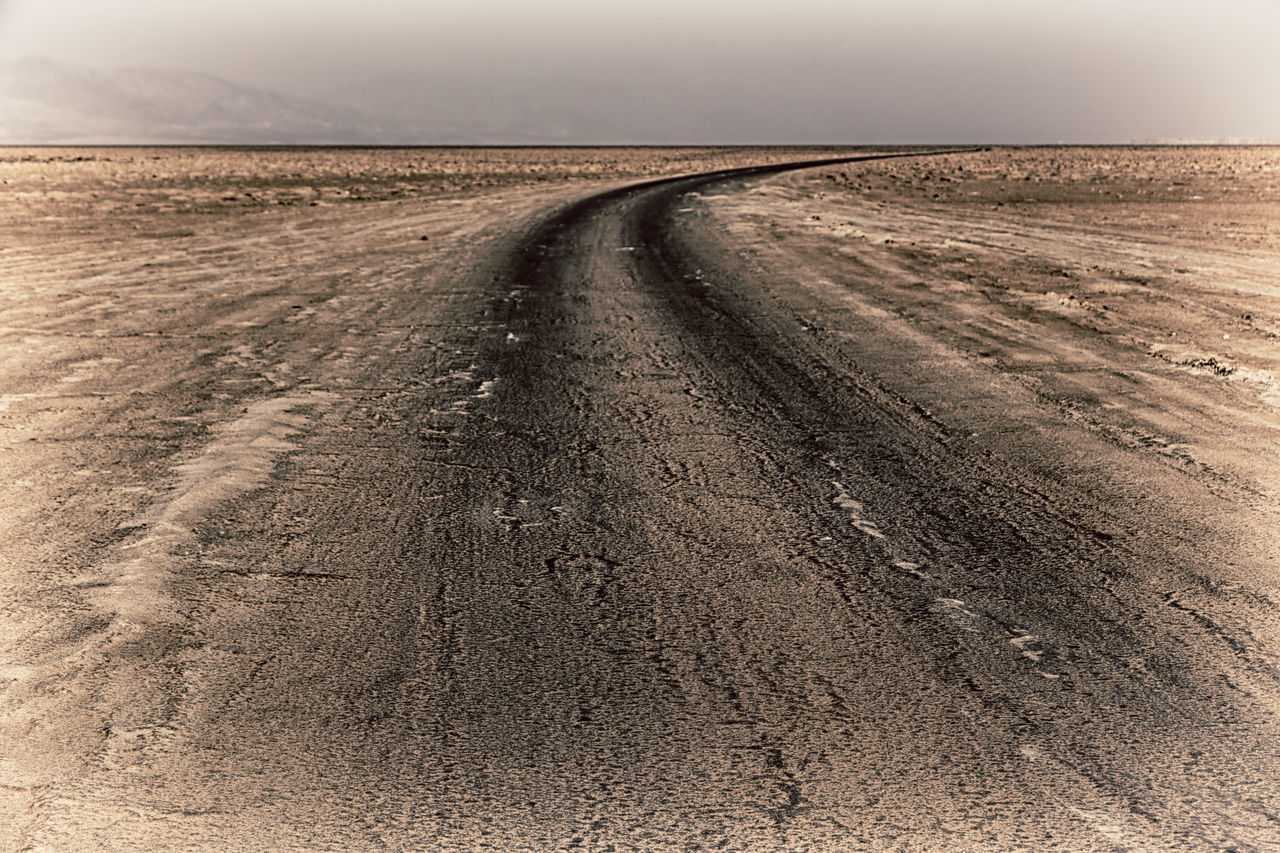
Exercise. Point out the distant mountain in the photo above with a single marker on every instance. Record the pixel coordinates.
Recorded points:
(45, 101)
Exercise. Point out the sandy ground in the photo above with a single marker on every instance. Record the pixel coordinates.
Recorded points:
(1134, 292)
(387, 500)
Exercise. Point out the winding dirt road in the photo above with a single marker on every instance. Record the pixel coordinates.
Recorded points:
(636, 522)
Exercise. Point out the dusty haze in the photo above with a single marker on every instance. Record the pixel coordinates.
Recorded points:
(806, 71)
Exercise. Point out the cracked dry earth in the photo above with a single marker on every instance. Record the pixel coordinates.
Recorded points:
(450, 500)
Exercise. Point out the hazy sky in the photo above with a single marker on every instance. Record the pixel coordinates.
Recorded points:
(879, 70)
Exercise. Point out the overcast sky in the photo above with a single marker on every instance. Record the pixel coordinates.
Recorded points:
(872, 71)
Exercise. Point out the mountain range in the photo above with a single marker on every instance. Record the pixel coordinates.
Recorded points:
(45, 101)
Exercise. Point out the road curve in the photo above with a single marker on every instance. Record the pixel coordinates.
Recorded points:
(783, 605)
(636, 555)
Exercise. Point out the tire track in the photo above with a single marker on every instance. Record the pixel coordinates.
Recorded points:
(986, 584)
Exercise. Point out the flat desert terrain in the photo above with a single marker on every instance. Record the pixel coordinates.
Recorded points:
(640, 499)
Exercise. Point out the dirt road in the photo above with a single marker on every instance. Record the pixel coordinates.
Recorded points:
(741, 511)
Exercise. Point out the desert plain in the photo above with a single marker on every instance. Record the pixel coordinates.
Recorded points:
(640, 499)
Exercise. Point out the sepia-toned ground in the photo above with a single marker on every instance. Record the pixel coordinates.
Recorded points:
(489, 499)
